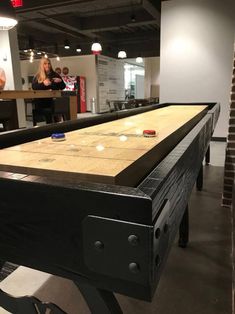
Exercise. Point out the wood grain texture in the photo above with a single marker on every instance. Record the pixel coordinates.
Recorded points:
(114, 152)
(24, 94)
(73, 107)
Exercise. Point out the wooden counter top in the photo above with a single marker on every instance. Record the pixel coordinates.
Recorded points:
(24, 94)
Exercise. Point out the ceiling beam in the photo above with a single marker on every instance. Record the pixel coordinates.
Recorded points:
(67, 28)
(152, 10)
(115, 21)
(140, 36)
(90, 27)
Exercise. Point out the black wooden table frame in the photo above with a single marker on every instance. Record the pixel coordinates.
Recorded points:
(105, 238)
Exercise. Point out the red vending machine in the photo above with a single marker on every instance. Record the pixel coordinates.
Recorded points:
(77, 84)
(81, 91)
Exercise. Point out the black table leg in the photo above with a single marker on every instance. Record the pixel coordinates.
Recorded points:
(199, 183)
(98, 300)
(208, 155)
(184, 229)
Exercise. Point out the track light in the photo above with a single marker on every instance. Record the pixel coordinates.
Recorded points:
(133, 18)
(66, 44)
(78, 49)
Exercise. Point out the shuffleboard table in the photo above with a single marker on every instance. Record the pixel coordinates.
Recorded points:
(102, 208)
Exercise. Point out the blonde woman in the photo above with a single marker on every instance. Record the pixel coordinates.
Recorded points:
(46, 79)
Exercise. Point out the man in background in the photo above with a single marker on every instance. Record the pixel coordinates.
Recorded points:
(58, 70)
(65, 71)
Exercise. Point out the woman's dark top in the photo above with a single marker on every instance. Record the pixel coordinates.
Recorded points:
(47, 102)
(54, 86)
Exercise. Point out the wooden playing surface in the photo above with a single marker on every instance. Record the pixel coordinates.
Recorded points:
(115, 152)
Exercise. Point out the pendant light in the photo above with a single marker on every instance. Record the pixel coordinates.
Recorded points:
(7, 15)
(96, 48)
(122, 54)
(139, 60)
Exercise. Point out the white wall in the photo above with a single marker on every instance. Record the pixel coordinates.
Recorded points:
(10, 62)
(139, 86)
(196, 53)
(78, 65)
(152, 74)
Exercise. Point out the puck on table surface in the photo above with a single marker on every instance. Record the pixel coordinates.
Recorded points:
(57, 137)
(149, 133)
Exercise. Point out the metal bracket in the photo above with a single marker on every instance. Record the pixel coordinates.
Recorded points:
(117, 248)
(125, 250)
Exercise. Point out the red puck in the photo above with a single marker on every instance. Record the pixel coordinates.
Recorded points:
(149, 133)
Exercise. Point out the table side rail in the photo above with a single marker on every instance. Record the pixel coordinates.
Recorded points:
(171, 183)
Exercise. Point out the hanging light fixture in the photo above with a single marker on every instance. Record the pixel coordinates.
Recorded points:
(7, 15)
(96, 48)
(139, 60)
(78, 49)
(66, 44)
(122, 54)
(58, 58)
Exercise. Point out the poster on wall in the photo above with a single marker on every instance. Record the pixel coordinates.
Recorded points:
(110, 81)
(70, 82)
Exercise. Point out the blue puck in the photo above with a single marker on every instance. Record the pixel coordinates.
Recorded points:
(58, 137)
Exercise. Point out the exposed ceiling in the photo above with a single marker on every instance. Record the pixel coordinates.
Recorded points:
(133, 26)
